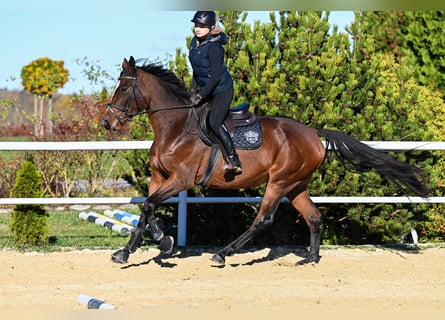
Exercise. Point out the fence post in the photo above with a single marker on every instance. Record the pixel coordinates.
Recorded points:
(182, 218)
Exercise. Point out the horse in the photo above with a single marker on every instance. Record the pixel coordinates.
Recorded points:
(289, 154)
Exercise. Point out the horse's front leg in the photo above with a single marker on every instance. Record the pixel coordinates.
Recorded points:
(147, 217)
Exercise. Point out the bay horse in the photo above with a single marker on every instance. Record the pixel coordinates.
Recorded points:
(289, 154)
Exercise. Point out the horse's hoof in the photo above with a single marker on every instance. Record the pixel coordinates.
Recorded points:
(166, 244)
(218, 259)
(120, 256)
(308, 260)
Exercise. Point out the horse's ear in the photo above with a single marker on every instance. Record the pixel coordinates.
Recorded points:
(129, 65)
(132, 62)
(125, 64)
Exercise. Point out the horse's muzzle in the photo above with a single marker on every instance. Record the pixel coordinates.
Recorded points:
(106, 124)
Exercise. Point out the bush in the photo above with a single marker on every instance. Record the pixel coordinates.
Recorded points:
(29, 223)
(7, 175)
(328, 79)
(433, 228)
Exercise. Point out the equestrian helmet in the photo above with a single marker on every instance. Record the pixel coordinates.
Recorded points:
(207, 18)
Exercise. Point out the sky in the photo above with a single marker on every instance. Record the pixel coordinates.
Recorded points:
(102, 33)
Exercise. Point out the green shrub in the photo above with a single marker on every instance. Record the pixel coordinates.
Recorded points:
(7, 175)
(29, 223)
(433, 228)
(324, 79)
(329, 79)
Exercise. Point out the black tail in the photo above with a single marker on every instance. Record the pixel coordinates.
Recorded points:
(364, 158)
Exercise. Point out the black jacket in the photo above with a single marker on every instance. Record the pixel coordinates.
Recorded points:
(210, 73)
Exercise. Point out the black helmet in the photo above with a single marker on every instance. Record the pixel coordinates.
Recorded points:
(207, 18)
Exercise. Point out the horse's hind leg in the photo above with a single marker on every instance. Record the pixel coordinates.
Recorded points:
(263, 219)
(303, 203)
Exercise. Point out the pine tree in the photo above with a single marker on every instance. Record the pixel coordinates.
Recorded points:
(415, 35)
(416, 39)
(298, 66)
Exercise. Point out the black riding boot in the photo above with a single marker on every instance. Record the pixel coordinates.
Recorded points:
(229, 151)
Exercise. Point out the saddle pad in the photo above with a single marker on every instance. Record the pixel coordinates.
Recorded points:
(248, 137)
(244, 138)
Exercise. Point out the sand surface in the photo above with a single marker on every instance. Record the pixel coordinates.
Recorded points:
(265, 279)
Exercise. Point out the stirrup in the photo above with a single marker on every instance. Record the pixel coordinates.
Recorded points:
(237, 170)
(232, 169)
(233, 164)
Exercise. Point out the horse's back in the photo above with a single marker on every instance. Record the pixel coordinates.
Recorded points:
(288, 130)
(290, 151)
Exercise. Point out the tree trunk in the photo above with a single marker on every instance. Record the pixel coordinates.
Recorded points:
(42, 117)
(36, 117)
(48, 115)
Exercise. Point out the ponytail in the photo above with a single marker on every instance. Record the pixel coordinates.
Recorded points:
(218, 28)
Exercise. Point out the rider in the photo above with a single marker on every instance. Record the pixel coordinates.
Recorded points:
(211, 76)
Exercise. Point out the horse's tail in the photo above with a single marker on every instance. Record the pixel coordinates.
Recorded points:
(365, 158)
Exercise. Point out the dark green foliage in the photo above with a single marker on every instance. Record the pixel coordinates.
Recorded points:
(139, 161)
(29, 223)
(318, 76)
(218, 224)
(298, 66)
(416, 39)
(415, 35)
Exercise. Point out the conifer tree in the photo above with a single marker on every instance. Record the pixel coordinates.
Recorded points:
(414, 35)
(29, 223)
(299, 66)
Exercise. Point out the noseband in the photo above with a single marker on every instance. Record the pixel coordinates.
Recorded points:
(133, 95)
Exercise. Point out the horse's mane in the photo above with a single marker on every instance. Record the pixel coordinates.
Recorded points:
(169, 81)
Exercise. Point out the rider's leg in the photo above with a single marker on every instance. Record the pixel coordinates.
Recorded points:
(220, 108)
(227, 144)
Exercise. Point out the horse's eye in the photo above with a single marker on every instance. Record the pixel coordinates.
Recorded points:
(123, 89)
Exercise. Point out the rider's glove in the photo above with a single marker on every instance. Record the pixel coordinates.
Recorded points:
(196, 99)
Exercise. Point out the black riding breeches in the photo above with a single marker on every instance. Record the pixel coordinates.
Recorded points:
(220, 108)
(218, 113)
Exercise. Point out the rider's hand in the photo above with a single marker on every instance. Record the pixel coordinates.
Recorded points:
(196, 99)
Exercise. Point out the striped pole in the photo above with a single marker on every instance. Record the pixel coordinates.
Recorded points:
(126, 217)
(105, 221)
(93, 303)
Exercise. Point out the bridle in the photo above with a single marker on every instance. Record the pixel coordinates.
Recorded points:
(126, 108)
(134, 92)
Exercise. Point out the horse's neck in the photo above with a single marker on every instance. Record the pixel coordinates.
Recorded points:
(169, 124)
(169, 118)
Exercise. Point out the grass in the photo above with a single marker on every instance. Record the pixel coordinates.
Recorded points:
(10, 155)
(67, 231)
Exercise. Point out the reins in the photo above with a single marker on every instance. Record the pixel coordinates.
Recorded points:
(185, 106)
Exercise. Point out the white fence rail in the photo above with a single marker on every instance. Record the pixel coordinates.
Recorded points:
(182, 199)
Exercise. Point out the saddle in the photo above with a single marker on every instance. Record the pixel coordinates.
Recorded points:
(243, 126)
